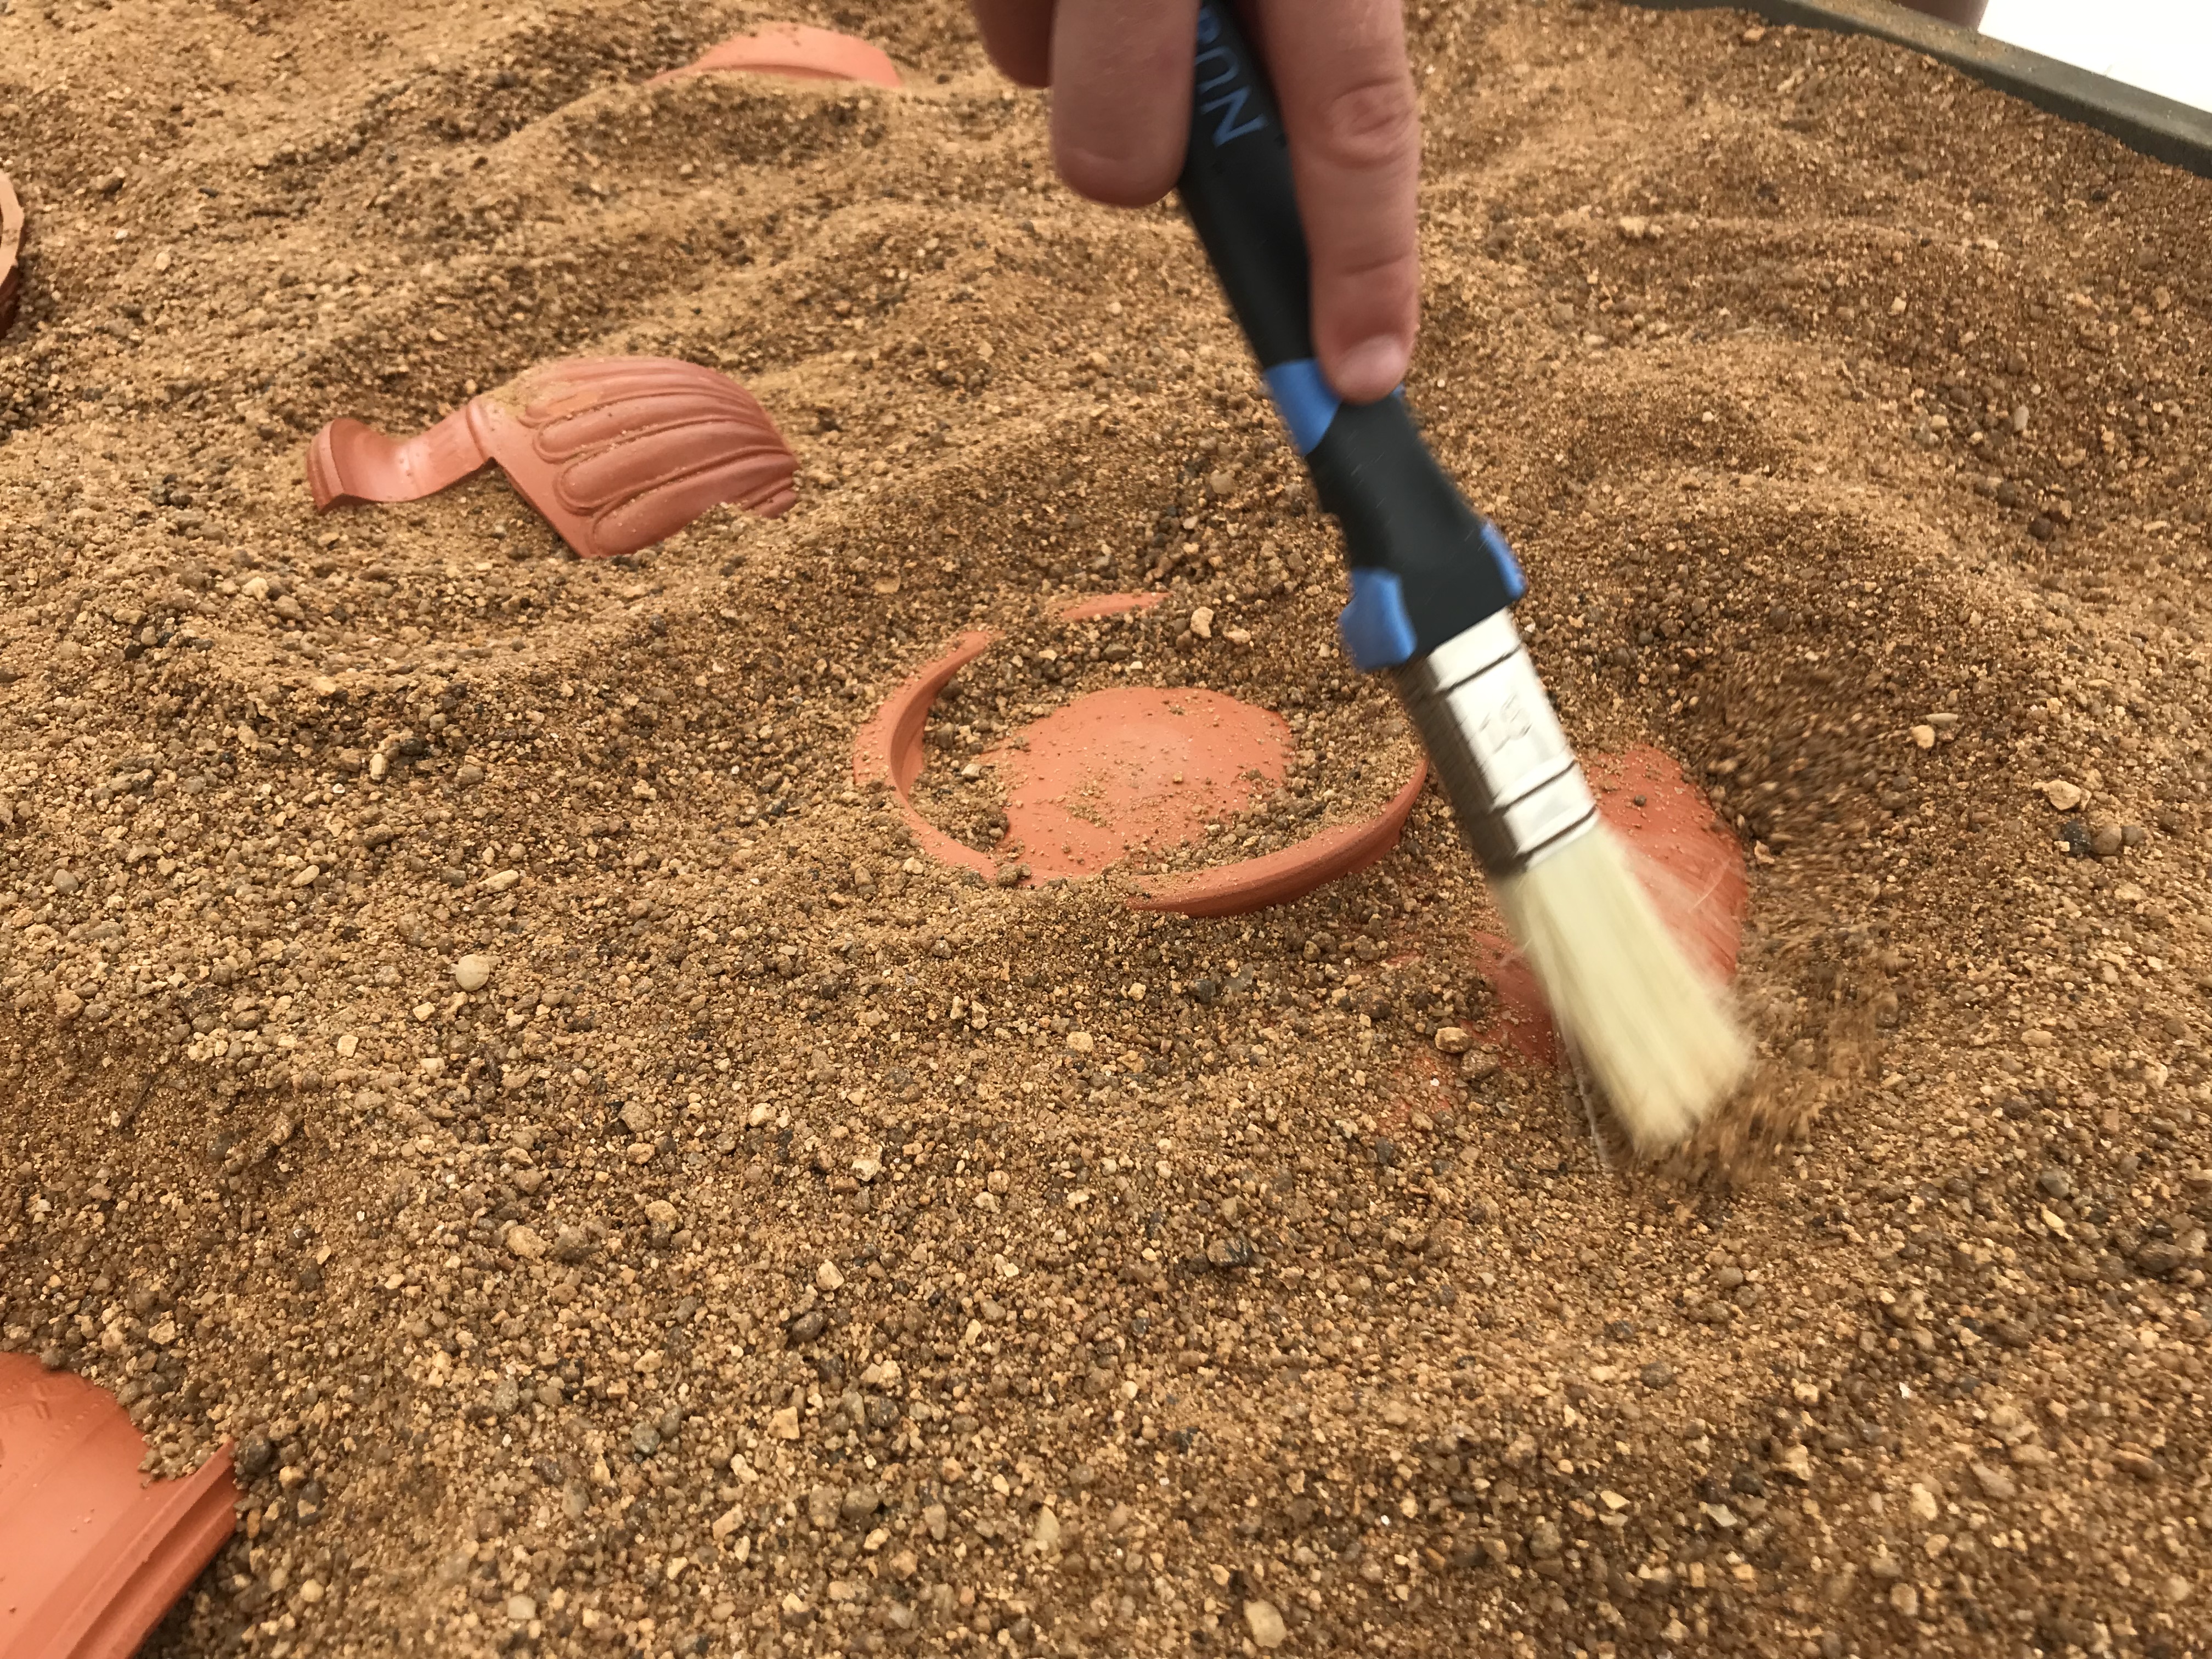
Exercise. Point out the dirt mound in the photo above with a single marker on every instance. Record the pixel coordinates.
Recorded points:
(798, 1247)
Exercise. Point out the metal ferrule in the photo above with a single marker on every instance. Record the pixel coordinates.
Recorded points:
(1488, 726)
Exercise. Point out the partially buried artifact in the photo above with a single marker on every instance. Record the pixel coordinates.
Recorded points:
(1688, 858)
(798, 51)
(1127, 770)
(618, 453)
(91, 1554)
(11, 243)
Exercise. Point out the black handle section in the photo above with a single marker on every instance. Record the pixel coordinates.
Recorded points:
(1402, 516)
(1236, 188)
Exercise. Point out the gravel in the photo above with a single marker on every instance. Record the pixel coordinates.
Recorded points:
(789, 1237)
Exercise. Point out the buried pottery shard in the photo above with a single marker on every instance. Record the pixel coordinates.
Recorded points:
(618, 453)
(1136, 769)
(798, 52)
(1133, 768)
(1689, 862)
(91, 1553)
(11, 245)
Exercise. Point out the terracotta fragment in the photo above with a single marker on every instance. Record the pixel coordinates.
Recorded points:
(798, 52)
(11, 245)
(618, 453)
(1125, 770)
(1280, 877)
(91, 1554)
(1133, 769)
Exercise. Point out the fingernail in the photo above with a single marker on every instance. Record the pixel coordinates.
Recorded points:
(1371, 369)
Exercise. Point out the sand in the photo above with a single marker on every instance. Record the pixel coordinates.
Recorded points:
(796, 1247)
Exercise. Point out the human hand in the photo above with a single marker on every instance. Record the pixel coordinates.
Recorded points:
(1120, 72)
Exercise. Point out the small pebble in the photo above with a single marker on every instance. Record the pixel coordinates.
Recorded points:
(859, 1502)
(1995, 1485)
(1266, 1624)
(473, 972)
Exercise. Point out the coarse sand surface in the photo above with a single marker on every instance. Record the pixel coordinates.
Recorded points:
(796, 1246)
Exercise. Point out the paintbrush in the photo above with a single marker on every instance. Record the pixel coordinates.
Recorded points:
(1433, 583)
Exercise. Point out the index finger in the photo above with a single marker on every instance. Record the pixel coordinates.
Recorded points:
(1347, 99)
(1121, 80)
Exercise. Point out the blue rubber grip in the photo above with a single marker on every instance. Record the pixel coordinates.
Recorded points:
(1377, 631)
(1303, 399)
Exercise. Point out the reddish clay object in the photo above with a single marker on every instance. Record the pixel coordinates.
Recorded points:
(1098, 776)
(887, 751)
(1280, 877)
(11, 243)
(1111, 604)
(91, 1555)
(1697, 868)
(618, 453)
(798, 52)
(1133, 768)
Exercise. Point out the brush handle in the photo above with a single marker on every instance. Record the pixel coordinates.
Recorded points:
(1433, 581)
(1426, 567)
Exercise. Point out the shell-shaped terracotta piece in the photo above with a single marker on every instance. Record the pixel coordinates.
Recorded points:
(91, 1555)
(618, 453)
(798, 51)
(11, 243)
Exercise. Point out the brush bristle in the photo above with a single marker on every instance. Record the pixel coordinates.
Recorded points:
(1652, 1026)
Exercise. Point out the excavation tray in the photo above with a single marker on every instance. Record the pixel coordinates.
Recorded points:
(2161, 127)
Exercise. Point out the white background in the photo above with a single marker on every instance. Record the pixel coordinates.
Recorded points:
(2161, 46)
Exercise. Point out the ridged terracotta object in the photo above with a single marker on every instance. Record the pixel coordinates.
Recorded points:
(92, 1554)
(798, 52)
(618, 453)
